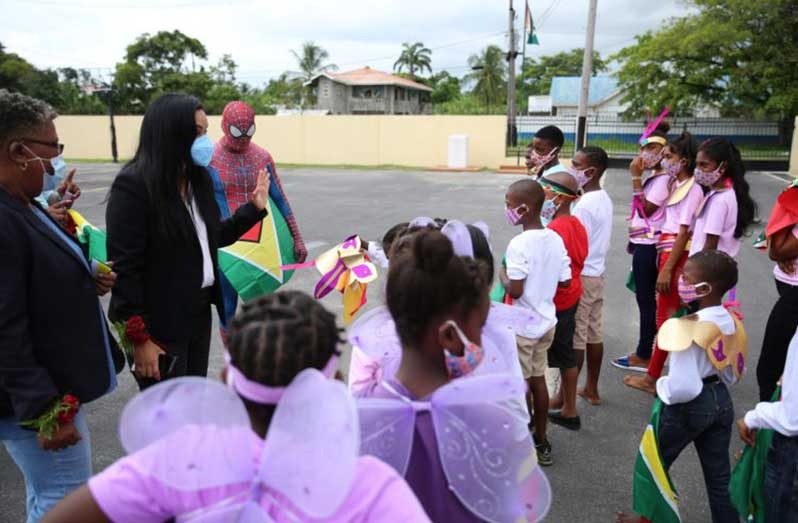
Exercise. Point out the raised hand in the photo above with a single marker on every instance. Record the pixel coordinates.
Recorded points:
(260, 196)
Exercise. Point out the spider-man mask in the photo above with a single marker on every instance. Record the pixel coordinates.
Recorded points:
(238, 125)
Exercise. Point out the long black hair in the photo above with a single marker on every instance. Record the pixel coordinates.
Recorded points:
(163, 159)
(686, 148)
(721, 150)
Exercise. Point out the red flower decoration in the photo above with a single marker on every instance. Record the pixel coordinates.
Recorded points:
(136, 330)
(69, 408)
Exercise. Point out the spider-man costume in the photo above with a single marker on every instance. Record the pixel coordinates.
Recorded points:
(238, 161)
(234, 169)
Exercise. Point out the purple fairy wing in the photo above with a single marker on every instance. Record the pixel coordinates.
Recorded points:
(458, 234)
(485, 447)
(238, 509)
(519, 319)
(375, 334)
(536, 495)
(311, 451)
(171, 425)
(386, 430)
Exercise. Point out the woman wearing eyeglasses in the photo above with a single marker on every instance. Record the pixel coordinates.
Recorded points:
(164, 229)
(56, 352)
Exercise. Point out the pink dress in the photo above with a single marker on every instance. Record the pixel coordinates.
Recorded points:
(128, 490)
(656, 189)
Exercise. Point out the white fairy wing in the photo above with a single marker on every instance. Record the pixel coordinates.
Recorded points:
(311, 451)
(375, 334)
(192, 433)
(170, 405)
(485, 447)
(519, 319)
(386, 430)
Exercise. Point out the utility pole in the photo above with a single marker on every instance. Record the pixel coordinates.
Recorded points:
(587, 72)
(512, 133)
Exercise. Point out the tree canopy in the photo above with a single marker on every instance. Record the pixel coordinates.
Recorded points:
(739, 56)
(414, 58)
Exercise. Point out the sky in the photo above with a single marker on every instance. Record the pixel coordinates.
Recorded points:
(260, 34)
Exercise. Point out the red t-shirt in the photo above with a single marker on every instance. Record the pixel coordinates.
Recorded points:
(574, 236)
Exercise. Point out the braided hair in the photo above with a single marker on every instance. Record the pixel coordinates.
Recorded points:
(427, 280)
(275, 337)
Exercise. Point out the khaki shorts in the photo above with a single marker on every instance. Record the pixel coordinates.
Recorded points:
(589, 319)
(533, 354)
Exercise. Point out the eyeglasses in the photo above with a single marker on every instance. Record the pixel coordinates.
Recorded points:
(54, 145)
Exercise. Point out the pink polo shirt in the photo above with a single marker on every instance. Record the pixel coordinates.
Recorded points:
(718, 216)
(683, 213)
(129, 491)
(656, 190)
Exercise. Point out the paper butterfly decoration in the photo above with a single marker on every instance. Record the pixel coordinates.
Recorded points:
(194, 434)
(485, 447)
(347, 269)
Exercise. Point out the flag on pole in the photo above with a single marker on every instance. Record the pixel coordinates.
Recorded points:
(653, 496)
(529, 28)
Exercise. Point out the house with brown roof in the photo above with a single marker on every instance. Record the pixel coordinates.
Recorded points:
(368, 91)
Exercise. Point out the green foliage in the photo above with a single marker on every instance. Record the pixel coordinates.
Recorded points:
(445, 87)
(311, 60)
(414, 57)
(489, 74)
(536, 74)
(739, 56)
(469, 104)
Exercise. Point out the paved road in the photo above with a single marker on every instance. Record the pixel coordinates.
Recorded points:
(591, 477)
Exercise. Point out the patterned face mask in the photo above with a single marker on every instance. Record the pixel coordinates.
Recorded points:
(547, 211)
(539, 160)
(473, 354)
(672, 169)
(579, 175)
(651, 158)
(688, 292)
(707, 178)
(514, 216)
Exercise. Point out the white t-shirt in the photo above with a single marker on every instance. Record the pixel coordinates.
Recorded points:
(539, 257)
(594, 210)
(781, 416)
(689, 367)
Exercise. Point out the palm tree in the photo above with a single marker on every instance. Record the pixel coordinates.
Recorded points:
(414, 57)
(311, 61)
(489, 73)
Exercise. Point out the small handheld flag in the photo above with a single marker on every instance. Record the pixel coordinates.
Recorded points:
(529, 28)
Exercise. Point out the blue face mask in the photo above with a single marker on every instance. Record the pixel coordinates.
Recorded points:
(59, 167)
(202, 151)
(547, 211)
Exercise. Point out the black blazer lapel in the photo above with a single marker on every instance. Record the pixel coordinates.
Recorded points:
(45, 230)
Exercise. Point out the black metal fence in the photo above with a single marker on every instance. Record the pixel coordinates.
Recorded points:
(758, 140)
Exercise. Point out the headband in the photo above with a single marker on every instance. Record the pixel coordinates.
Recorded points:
(557, 187)
(653, 139)
(264, 394)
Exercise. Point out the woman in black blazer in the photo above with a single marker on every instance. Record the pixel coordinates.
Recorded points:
(164, 229)
(55, 345)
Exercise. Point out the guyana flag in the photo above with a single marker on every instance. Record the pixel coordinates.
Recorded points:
(251, 267)
(653, 494)
(748, 477)
(252, 264)
(92, 238)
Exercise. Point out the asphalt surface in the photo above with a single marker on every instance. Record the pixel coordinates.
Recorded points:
(591, 476)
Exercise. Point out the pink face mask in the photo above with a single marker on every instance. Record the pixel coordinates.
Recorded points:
(580, 176)
(651, 158)
(707, 178)
(538, 160)
(688, 292)
(513, 215)
(473, 354)
(672, 169)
